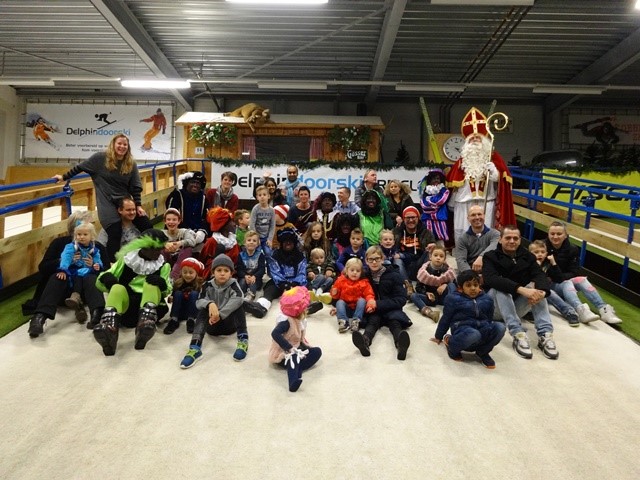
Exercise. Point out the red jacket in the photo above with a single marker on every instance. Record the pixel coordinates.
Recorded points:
(350, 291)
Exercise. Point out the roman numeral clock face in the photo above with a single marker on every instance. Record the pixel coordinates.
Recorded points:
(452, 147)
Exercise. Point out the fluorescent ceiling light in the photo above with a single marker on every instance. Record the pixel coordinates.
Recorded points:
(26, 82)
(292, 85)
(84, 80)
(430, 87)
(155, 83)
(280, 2)
(570, 89)
(487, 3)
(638, 5)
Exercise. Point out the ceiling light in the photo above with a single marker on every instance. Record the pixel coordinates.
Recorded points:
(430, 87)
(280, 2)
(638, 5)
(292, 85)
(155, 83)
(570, 89)
(484, 2)
(84, 80)
(26, 82)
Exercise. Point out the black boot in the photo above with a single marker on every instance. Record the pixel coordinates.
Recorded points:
(106, 332)
(95, 318)
(36, 325)
(146, 327)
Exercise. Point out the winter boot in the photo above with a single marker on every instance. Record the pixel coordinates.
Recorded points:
(172, 326)
(36, 325)
(146, 327)
(95, 318)
(106, 332)
(81, 314)
(429, 313)
(74, 301)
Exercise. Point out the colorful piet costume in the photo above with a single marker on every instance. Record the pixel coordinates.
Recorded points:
(136, 285)
(434, 195)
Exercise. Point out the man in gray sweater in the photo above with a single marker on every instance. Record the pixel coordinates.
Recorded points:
(475, 242)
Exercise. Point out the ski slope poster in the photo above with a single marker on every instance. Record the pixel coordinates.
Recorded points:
(78, 131)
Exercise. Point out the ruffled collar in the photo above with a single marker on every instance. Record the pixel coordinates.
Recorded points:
(141, 266)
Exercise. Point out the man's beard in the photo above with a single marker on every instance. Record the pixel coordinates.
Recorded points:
(475, 158)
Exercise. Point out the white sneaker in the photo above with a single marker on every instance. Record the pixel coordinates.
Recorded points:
(608, 314)
(585, 314)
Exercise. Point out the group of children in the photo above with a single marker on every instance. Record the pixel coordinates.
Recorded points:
(304, 271)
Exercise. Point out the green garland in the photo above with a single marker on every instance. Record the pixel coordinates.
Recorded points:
(214, 134)
(617, 161)
(231, 162)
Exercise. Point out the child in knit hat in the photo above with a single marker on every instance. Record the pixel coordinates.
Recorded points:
(186, 290)
(219, 312)
(282, 213)
(288, 348)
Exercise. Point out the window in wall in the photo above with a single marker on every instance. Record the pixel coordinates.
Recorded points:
(283, 149)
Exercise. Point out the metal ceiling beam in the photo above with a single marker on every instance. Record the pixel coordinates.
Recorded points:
(617, 59)
(388, 34)
(123, 21)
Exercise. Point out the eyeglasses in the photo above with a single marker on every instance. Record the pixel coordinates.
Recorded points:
(374, 259)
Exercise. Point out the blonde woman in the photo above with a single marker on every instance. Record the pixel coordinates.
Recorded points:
(115, 175)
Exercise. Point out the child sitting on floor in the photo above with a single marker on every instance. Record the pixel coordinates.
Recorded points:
(288, 348)
(469, 313)
(186, 290)
(353, 295)
(252, 265)
(434, 277)
(219, 312)
(320, 273)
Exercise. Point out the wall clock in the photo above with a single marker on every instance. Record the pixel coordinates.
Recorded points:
(452, 147)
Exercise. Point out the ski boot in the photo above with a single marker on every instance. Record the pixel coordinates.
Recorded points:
(146, 327)
(106, 332)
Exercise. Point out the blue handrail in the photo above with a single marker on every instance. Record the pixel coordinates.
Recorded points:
(576, 187)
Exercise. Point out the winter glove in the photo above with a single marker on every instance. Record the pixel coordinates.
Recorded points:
(157, 280)
(108, 279)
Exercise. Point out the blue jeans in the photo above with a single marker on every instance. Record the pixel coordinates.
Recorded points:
(569, 291)
(254, 287)
(321, 282)
(511, 310)
(420, 300)
(475, 336)
(182, 308)
(345, 312)
(559, 304)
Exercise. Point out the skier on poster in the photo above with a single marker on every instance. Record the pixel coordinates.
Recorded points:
(159, 123)
(40, 129)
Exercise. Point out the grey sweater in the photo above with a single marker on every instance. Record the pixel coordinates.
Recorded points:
(227, 297)
(470, 246)
(110, 186)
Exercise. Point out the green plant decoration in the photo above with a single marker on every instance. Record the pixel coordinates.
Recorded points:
(350, 138)
(214, 134)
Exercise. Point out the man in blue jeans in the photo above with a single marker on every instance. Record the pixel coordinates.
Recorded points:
(518, 285)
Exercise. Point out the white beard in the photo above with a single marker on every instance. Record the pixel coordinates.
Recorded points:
(475, 159)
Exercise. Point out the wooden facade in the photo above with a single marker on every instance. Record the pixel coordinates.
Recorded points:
(284, 126)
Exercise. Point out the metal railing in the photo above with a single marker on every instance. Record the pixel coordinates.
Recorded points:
(583, 196)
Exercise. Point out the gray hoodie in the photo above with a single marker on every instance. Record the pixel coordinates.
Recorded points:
(227, 297)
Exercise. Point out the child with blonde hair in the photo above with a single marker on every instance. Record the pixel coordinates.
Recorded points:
(288, 348)
(79, 259)
(252, 265)
(353, 296)
(320, 275)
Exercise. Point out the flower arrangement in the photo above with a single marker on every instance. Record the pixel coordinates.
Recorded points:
(348, 138)
(214, 134)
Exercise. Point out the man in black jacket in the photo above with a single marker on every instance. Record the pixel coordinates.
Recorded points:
(518, 285)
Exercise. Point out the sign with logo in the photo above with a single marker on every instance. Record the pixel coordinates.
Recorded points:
(626, 184)
(604, 129)
(318, 180)
(358, 155)
(78, 131)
